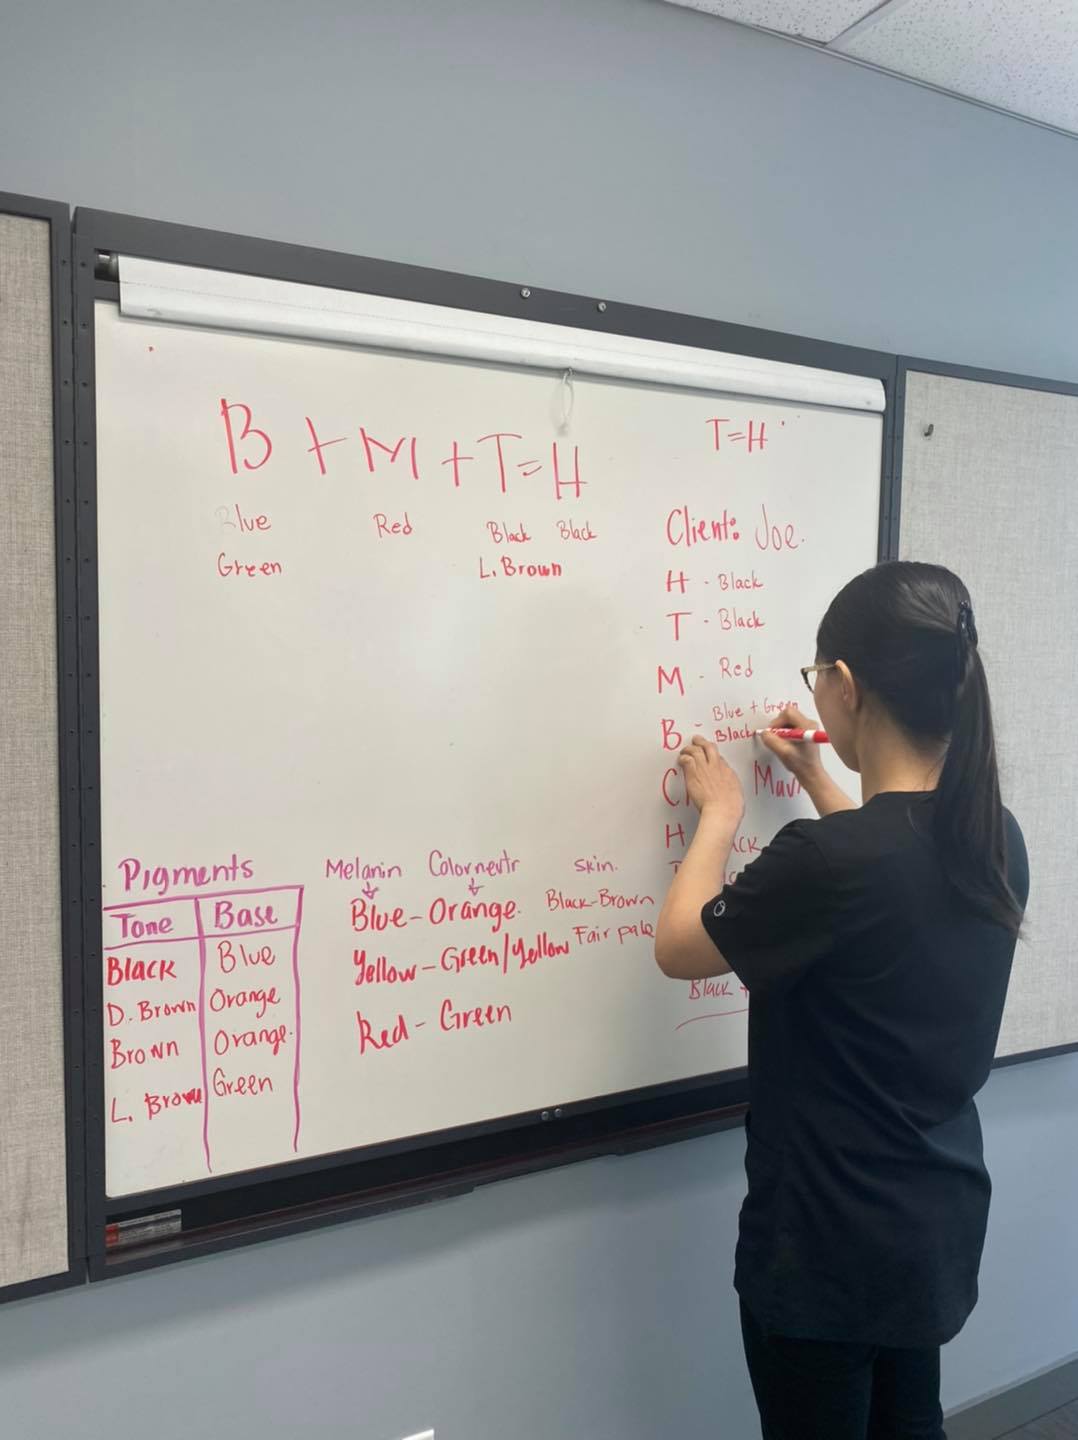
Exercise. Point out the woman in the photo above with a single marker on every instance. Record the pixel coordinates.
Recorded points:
(876, 946)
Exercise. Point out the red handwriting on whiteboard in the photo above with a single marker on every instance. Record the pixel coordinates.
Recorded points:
(498, 437)
(772, 536)
(571, 530)
(515, 569)
(730, 617)
(357, 869)
(385, 526)
(724, 734)
(685, 528)
(730, 580)
(385, 1037)
(725, 710)
(764, 781)
(594, 934)
(257, 999)
(605, 900)
(223, 1085)
(366, 915)
(677, 616)
(592, 865)
(503, 534)
(455, 459)
(575, 484)
(370, 445)
(261, 446)
(439, 863)
(233, 518)
(457, 959)
(156, 1103)
(498, 912)
(730, 431)
(229, 914)
(673, 789)
(247, 1006)
(137, 875)
(710, 990)
(271, 1037)
(120, 1055)
(380, 971)
(671, 679)
(148, 1010)
(126, 971)
(233, 955)
(320, 445)
(230, 568)
(249, 447)
(715, 989)
(672, 737)
(476, 1018)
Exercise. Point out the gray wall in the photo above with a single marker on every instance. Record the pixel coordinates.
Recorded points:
(633, 150)
(592, 1302)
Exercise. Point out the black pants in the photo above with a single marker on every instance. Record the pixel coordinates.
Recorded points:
(817, 1390)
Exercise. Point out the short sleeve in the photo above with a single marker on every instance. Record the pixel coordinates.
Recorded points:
(776, 919)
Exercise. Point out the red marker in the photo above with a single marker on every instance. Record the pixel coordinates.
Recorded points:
(816, 737)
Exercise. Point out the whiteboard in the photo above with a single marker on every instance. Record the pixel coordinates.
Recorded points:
(985, 445)
(389, 717)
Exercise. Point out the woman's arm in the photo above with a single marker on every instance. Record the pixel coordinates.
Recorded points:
(683, 948)
(805, 765)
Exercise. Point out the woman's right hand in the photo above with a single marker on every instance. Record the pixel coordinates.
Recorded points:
(801, 758)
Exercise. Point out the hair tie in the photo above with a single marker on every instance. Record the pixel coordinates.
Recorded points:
(965, 626)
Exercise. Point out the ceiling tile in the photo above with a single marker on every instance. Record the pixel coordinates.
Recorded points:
(1019, 54)
(809, 19)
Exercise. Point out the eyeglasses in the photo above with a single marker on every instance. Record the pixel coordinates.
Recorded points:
(809, 672)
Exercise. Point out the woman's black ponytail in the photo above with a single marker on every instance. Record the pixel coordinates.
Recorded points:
(907, 632)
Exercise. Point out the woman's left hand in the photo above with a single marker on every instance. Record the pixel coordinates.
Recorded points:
(711, 783)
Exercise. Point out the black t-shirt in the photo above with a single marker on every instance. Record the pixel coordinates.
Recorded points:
(875, 1000)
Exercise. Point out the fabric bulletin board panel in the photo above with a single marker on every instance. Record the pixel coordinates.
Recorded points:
(33, 1152)
(988, 488)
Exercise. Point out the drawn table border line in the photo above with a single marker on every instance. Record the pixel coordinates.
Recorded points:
(243, 934)
(200, 938)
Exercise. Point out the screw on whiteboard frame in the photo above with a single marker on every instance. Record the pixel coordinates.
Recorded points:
(525, 292)
(927, 431)
(545, 1115)
(601, 305)
(557, 1113)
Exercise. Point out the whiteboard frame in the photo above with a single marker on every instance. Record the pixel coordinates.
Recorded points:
(237, 1209)
(57, 215)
